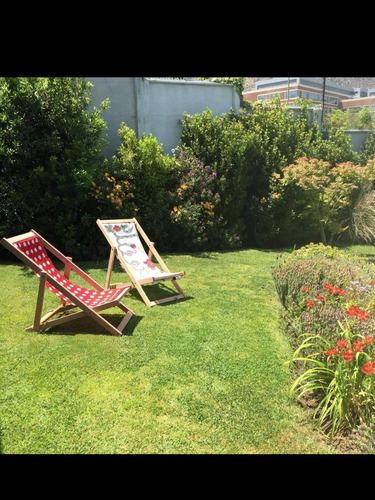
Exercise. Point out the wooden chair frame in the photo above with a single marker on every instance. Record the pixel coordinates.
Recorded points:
(42, 322)
(152, 253)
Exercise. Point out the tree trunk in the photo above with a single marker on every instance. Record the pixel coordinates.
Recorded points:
(322, 233)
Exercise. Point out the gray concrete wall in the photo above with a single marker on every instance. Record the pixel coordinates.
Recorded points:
(357, 138)
(121, 92)
(156, 106)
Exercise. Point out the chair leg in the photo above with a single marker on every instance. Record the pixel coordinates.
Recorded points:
(143, 295)
(110, 267)
(178, 288)
(40, 300)
(127, 318)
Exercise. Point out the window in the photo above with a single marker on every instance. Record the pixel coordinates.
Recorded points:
(293, 94)
(262, 97)
(331, 100)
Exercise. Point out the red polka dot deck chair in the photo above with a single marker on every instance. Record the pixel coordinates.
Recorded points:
(32, 249)
(123, 235)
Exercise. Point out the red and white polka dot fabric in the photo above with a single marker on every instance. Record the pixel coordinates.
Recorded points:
(35, 250)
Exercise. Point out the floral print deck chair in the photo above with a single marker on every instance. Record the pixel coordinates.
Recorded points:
(32, 249)
(123, 235)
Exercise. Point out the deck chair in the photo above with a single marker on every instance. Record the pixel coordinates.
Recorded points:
(31, 249)
(123, 235)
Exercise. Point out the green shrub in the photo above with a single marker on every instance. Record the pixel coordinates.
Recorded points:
(50, 151)
(245, 149)
(150, 175)
(309, 267)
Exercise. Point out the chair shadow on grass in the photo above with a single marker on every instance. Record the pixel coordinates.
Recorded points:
(158, 291)
(89, 326)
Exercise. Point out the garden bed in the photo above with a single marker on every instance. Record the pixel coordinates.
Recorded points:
(328, 299)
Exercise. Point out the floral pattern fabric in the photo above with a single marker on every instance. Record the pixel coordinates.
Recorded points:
(126, 239)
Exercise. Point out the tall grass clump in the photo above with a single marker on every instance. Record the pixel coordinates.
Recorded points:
(362, 224)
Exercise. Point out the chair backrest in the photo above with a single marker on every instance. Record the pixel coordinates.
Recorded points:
(33, 248)
(124, 236)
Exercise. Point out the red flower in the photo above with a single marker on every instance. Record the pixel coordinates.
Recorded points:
(329, 352)
(356, 311)
(306, 289)
(369, 339)
(358, 345)
(372, 283)
(363, 315)
(323, 298)
(334, 289)
(310, 303)
(348, 355)
(367, 368)
(116, 228)
(352, 311)
(342, 343)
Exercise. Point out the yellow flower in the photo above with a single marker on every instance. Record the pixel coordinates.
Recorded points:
(184, 187)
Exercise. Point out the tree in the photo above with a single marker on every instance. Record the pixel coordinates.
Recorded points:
(327, 191)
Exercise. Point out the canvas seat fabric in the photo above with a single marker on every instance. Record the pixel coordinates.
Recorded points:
(34, 249)
(125, 238)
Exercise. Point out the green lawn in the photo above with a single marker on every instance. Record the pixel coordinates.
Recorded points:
(205, 375)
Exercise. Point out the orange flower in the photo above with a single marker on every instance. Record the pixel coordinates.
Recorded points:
(358, 345)
(367, 368)
(348, 355)
(342, 343)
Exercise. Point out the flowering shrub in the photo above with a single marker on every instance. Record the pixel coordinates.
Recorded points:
(332, 322)
(113, 193)
(344, 380)
(327, 190)
(194, 207)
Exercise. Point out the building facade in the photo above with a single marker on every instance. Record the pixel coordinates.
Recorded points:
(289, 89)
(364, 98)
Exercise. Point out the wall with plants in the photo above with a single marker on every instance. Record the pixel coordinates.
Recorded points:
(229, 182)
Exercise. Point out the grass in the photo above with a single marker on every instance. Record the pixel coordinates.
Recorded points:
(205, 375)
